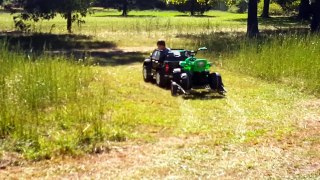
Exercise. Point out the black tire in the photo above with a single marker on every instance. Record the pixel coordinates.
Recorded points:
(146, 73)
(160, 80)
(174, 89)
(176, 77)
(215, 83)
(186, 83)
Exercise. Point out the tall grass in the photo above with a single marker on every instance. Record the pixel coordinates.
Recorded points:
(291, 59)
(52, 106)
(47, 105)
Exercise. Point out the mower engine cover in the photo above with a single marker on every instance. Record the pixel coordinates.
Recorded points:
(195, 65)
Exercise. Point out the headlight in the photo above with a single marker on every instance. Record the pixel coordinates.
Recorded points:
(201, 64)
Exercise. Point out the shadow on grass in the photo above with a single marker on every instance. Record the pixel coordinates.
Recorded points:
(42, 41)
(116, 57)
(202, 96)
(74, 47)
(196, 16)
(279, 21)
(102, 57)
(228, 42)
(128, 16)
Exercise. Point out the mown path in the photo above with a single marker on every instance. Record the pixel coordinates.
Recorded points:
(259, 130)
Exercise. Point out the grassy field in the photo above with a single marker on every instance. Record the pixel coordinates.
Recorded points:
(290, 59)
(52, 107)
(212, 135)
(142, 28)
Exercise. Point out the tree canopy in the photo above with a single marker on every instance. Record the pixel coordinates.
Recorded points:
(126, 5)
(71, 10)
(192, 6)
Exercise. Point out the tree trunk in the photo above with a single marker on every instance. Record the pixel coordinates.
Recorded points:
(69, 21)
(304, 10)
(252, 24)
(192, 4)
(265, 13)
(125, 8)
(315, 22)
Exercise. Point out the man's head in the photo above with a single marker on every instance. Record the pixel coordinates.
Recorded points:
(161, 44)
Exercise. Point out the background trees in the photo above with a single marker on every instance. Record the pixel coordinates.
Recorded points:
(126, 5)
(74, 10)
(121, 5)
(194, 7)
(71, 10)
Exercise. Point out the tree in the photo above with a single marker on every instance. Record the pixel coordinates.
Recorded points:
(304, 10)
(315, 22)
(265, 12)
(287, 5)
(71, 10)
(126, 5)
(252, 22)
(122, 5)
(192, 6)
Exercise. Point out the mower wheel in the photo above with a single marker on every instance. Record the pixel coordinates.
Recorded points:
(215, 82)
(174, 89)
(186, 81)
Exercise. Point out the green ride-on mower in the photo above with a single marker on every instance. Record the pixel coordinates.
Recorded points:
(194, 76)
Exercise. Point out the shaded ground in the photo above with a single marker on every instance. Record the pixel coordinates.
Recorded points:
(279, 21)
(77, 47)
(43, 41)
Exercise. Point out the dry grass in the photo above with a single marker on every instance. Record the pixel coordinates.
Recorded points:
(184, 157)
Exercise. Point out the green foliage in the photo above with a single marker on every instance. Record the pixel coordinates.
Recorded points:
(237, 6)
(132, 4)
(193, 6)
(121, 5)
(274, 8)
(288, 5)
(79, 7)
(41, 9)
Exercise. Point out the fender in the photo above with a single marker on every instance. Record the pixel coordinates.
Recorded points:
(147, 62)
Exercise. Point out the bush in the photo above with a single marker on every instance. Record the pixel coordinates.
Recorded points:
(274, 8)
(233, 9)
(239, 7)
(198, 8)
